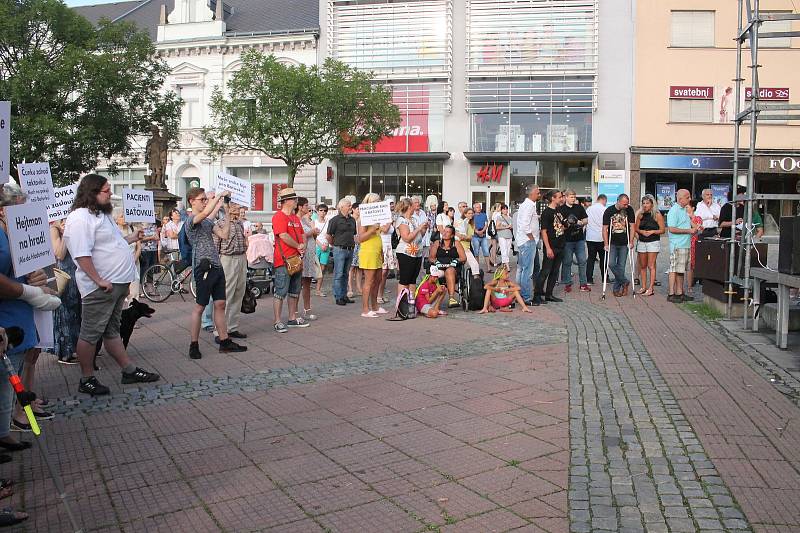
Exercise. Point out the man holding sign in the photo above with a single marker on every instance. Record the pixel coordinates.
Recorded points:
(105, 271)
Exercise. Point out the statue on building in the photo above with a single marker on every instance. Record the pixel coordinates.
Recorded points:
(155, 155)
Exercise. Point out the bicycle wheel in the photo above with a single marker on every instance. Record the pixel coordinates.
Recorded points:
(187, 279)
(157, 285)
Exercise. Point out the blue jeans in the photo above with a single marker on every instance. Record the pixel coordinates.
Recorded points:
(618, 256)
(480, 244)
(579, 249)
(525, 261)
(342, 258)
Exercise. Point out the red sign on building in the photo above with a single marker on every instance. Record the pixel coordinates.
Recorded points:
(490, 173)
(774, 94)
(412, 134)
(691, 92)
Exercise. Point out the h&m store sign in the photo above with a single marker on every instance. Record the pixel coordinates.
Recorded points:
(701, 92)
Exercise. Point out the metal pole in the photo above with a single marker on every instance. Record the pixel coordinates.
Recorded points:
(735, 180)
(747, 234)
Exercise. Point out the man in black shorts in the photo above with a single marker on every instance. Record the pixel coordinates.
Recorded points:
(208, 274)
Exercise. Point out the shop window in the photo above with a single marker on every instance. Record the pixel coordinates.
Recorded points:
(531, 132)
(693, 29)
(691, 110)
(266, 182)
(390, 178)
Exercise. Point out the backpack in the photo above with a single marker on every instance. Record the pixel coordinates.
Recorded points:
(395, 238)
(184, 245)
(404, 310)
(476, 292)
(491, 231)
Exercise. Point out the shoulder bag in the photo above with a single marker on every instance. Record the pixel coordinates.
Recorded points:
(294, 264)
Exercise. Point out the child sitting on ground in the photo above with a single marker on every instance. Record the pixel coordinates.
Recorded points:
(501, 293)
(430, 294)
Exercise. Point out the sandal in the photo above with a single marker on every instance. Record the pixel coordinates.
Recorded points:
(641, 291)
(648, 292)
(10, 517)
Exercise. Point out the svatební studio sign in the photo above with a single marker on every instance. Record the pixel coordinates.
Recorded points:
(691, 92)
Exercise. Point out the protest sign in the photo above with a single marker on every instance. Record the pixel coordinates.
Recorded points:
(138, 205)
(5, 140)
(63, 198)
(29, 237)
(240, 189)
(36, 181)
(375, 213)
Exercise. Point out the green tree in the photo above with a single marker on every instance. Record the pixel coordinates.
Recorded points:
(299, 114)
(78, 93)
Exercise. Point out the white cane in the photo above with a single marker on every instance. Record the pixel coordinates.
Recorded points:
(606, 255)
(630, 254)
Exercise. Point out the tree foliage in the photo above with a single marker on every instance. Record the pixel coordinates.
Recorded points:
(299, 114)
(77, 92)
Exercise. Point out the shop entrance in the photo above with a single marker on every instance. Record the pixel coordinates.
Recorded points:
(488, 196)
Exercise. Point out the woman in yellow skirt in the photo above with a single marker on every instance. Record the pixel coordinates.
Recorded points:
(370, 260)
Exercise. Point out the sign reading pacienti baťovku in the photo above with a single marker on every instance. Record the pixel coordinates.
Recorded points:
(138, 205)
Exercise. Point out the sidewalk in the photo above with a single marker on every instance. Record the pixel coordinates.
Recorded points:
(623, 415)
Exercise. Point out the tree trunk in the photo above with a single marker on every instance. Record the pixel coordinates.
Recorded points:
(292, 174)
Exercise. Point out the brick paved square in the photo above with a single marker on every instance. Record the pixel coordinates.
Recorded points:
(416, 443)
(332, 494)
(518, 446)
(301, 469)
(210, 461)
(153, 500)
(256, 511)
(376, 516)
(231, 484)
(186, 521)
(509, 485)
(461, 462)
(497, 521)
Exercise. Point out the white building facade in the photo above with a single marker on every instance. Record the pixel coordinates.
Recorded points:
(494, 95)
(203, 42)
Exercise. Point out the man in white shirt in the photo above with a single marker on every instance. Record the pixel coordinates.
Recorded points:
(105, 271)
(526, 233)
(594, 237)
(709, 212)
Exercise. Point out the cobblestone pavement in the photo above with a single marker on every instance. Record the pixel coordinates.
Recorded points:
(586, 415)
(636, 463)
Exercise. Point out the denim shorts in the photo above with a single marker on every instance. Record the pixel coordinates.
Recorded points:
(286, 285)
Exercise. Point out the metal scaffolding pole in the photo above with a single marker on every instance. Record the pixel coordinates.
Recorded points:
(752, 113)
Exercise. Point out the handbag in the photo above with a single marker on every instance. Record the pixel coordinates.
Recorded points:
(249, 301)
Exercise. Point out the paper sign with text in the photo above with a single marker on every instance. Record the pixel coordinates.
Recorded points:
(239, 188)
(63, 198)
(138, 205)
(5, 140)
(36, 181)
(375, 213)
(29, 237)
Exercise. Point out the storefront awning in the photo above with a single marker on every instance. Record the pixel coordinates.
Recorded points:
(398, 156)
(529, 156)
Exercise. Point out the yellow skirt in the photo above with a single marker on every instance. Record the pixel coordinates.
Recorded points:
(370, 253)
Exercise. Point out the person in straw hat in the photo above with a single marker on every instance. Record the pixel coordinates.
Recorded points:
(289, 243)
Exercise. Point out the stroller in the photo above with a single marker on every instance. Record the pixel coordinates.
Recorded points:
(259, 264)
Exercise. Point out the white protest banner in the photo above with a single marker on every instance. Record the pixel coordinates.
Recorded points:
(63, 198)
(239, 188)
(375, 213)
(36, 181)
(44, 327)
(5, 140)
(29, 237)
(138, 205)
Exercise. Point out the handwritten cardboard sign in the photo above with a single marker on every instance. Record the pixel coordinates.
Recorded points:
(36, 181)
(375, 213)
(63, 198)
(240, 189)
(138, 205)
(29, 237)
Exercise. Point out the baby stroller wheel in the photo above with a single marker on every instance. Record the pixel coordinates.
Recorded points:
(255, 291)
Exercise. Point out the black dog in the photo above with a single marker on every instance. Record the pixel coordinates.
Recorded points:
(130, 316)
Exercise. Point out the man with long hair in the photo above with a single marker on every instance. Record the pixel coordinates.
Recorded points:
(104, 274)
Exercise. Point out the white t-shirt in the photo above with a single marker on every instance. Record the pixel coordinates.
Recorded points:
(443, 220)
(172, 244)
(708, 213)
(96, 236)
(594, 228)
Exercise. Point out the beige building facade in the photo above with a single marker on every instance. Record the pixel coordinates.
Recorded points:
(685, 101)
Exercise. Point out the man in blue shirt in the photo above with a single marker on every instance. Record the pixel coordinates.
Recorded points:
(680, 231)
(480, 241)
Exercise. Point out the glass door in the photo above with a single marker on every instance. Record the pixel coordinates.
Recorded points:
(488, 196)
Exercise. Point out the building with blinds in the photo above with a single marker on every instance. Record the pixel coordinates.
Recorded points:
(494, 95)
(685, 102)
(202, 41)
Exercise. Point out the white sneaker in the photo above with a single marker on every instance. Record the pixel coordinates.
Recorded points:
(371, 314)
(381, 311)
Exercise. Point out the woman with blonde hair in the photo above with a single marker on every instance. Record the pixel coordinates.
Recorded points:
(370, 260)
(409, 249)
(648, 228)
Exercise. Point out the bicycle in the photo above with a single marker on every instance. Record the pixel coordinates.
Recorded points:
(160, 281)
